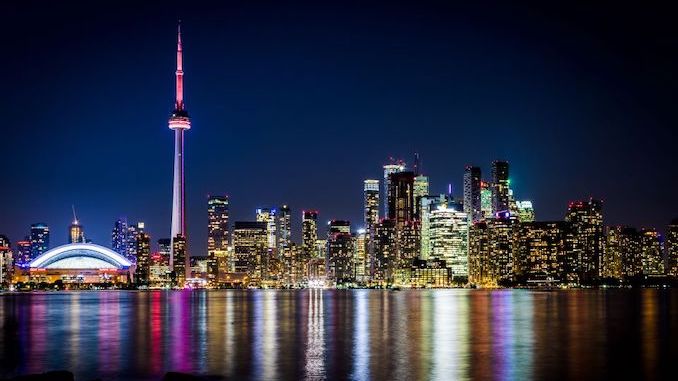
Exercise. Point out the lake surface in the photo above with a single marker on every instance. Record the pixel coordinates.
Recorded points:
(336, 335)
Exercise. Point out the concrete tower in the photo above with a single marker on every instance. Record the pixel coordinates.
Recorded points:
(179, 122)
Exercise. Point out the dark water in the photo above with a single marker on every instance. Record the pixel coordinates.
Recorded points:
(363, 334)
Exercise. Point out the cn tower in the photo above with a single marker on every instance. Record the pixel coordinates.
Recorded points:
(179, 122)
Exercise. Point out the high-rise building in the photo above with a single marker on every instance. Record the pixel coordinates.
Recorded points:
(119, 237)
(269, 217)
(420, 190)
(360, 258)
(134, 233)
(284, 229)
(339, 261)
(370, 216)
(500, 186)
(525, 211)
(385, 252)
(545, 253)
(179, 122)
(612, 262)
(23, 252)
(426, 206)
(6, 261)
(479, 272)
(449, 239)
(401, 197)
(472, 200)
(143, 257)
(651, 252)
(486, 200)
(587, 220)
(309, 234)
(672, 248)
(217, 236)
(180, 267)
(250, 245)
(394, 166)
(76, 233)
(39, 239)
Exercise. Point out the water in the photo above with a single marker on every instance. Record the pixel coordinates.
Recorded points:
(336, 335)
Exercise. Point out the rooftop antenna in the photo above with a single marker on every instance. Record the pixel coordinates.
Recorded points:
(75, 218)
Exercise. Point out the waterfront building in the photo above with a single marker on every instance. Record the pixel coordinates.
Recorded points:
(385, 252)
(217, 236)
(179, 122)
(6, 261)
(613, 257)
(39, 239)
(586, 218)
(360, 258)
(143, 258)
(426, 205)
(420, 189)
(119, 237)
(500, 186)
(652, 255)
(394, 166)
(268, 216)
(135, 232)
(283, 230)
(545, 253)
(431, 273)
(629, 250)
(321, 248)
(78, 264)
(309, 234)
(449, 239)
(672, 248)
(76, 232)
(472, 197)
(179, 261)
(250, 249)
(479, 272)
(339, 261)
(158, 268)
(198, 265)
(370, 216)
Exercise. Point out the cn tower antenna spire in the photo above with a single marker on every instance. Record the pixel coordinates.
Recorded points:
(180, 72)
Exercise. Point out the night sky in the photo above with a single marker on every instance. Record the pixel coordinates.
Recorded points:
(298, 103)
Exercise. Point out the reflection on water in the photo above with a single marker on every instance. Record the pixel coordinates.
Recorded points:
(331, 334)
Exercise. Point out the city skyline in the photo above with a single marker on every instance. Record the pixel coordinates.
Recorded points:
(101, 199)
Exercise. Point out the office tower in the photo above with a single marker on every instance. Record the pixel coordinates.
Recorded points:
(587, 220)
(39, 239)
(524, 211)
(501, 234)
(449, 239)
(420, 190)
(472, 200)
(370, 216)
(179, 265)
(651, 252)
(612, 262)
(385, 252)
(179, 122)
(23, 252)
(134, 232)
(486, 200)
(284, 228)
(339, 261)
(165, 247)
(143, 257)
(6, 261)
(360, 258)
(250, 245)
(119, 237)
(545, 253)
(268, 217)
(628, 249)
(500, 186)
(394, 166)
(217, 235)
(321, 249)
(672, 248)
(158, 269)
(479, 254)
(309, 234)
(426, 206)
(401, 197)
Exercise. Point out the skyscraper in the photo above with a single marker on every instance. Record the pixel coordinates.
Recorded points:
(449, 239)
(587, 220)
(401, 197)
(472, 200)
(486, 199)
(544, 252)
(76, 233)
(217, 235)
(651, 252)
(672, 248)
(420, 190)
(23, 252)
(250, 243)
(134, 232)
(426, 206)
(339, 261)
(119, 237)
(179, 122)
(39, 239)
(394, 166)
(525, 211)
(500, 186)
(180, 267)
(370, 217)
(309, 233)
(143, 257)
(269, 217)
(6, 261)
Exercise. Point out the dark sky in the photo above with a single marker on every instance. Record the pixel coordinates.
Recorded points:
(299, 102)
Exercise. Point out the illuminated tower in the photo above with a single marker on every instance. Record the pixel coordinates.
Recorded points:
(39, 239)
(179, 122)
(472, 197)
(389, 169)
(500, 186)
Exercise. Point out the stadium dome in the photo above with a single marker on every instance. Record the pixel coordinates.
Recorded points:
(81, 256)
